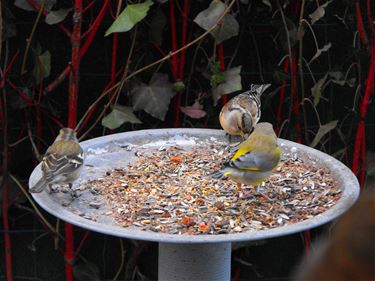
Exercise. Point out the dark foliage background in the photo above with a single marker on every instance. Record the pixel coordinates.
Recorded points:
(34, 104)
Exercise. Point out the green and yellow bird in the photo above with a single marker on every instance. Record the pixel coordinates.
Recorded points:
(255, 158)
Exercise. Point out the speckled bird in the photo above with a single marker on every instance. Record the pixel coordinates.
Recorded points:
(242, 113)
(62, 162)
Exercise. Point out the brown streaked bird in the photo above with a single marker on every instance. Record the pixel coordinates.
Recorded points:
(242, 113)
(62, 162)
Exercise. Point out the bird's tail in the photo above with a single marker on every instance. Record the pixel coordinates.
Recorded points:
(38, 187)
(259, 89)
(218, 174)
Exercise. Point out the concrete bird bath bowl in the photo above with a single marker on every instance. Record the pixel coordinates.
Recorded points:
(181, 256)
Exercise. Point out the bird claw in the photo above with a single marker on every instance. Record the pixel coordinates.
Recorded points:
(52, 188)
(74, 194)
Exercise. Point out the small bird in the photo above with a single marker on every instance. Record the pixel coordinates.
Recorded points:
(242, 113)
(62, 162)
(255, 158)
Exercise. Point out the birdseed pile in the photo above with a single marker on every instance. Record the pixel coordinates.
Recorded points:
(169, 190)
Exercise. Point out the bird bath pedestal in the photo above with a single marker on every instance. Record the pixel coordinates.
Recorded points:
(181, 257)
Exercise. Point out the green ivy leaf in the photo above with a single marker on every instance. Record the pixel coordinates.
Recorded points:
(129, 17)
(267, 3)
(232, 83)
(316, 90)
(42, 65)
(320, 51)
(118, 116)
(229, 26)
(57, 16)
(318, 13)
(24, 5)
(339, 79)
(215, 67)
(323, 130)
(217, 79)
(155, 97)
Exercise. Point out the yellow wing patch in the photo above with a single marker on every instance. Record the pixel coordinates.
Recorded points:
(251, 169)
(241, 151)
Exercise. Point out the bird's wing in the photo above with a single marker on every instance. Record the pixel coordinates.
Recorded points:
(257, 160)
(60, 164)
(248, 161)
(258, 153)
(56, 164)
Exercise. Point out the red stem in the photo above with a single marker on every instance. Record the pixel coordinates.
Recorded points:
(69, 249)
(361, 29)
(74, 73)
(184, 35)
(174, 59)
(359, 152)
(92, 111)
(23, 95)
(72, 119)
(11, 64)
(357, 147)
(95, 26)
(81, 243)
(220, 53)
(89, 6)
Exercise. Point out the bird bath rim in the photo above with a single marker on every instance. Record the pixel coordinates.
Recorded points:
(347, 180)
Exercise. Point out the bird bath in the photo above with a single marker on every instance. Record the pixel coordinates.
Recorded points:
(181, 256)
